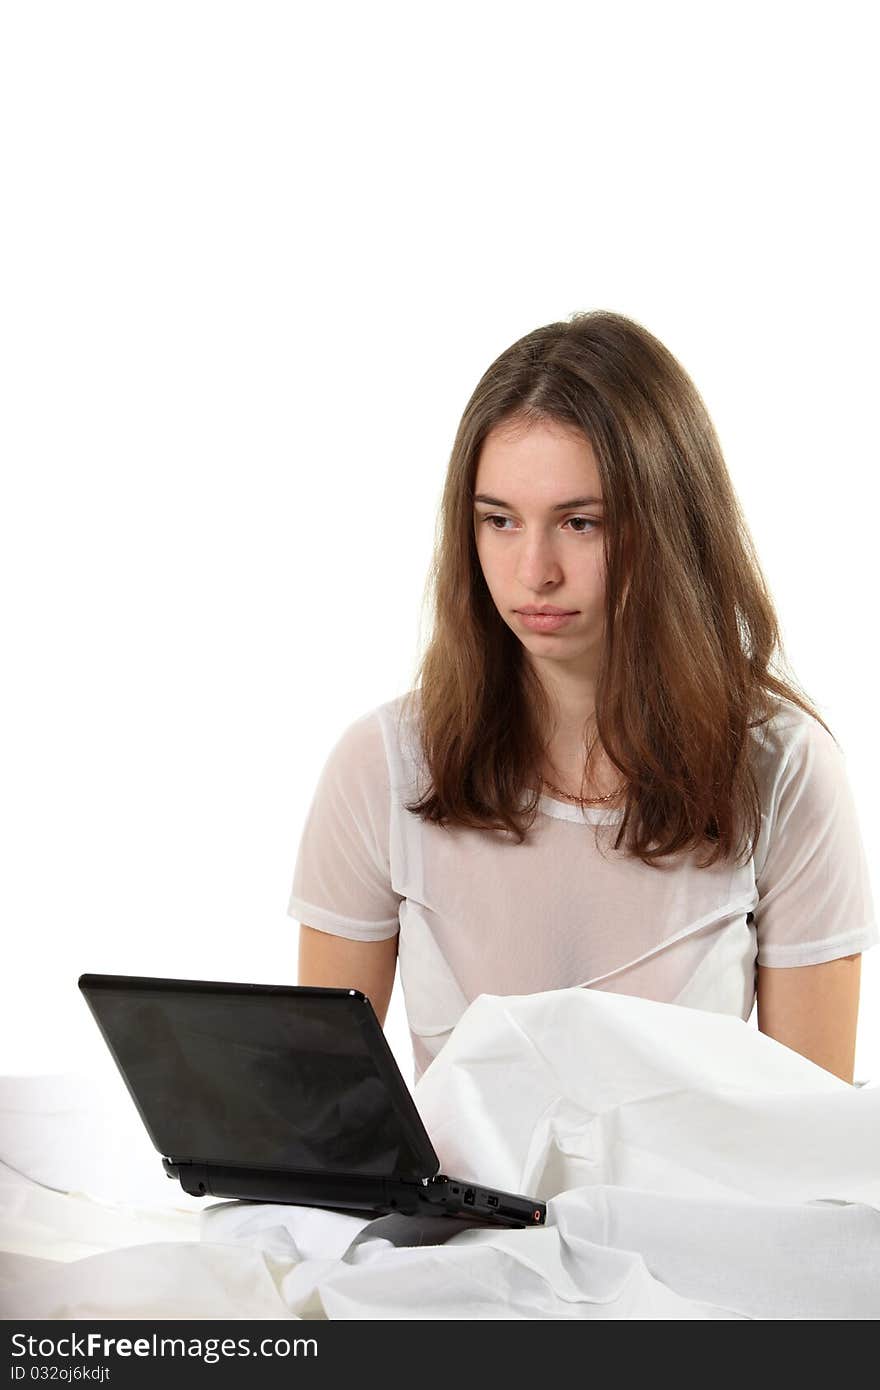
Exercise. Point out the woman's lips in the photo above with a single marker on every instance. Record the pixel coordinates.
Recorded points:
(544, 622)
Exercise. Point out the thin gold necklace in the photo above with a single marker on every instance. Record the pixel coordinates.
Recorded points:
(582, 800)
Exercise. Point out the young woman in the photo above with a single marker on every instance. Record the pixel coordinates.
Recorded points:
(598, 779)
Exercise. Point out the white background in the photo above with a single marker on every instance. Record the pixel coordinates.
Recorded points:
(255, 258)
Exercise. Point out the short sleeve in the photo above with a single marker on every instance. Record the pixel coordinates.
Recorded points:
(342, 876)
(814, 892)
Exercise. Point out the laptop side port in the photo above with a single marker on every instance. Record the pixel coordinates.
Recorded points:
(469, 1196)
(492, 1200)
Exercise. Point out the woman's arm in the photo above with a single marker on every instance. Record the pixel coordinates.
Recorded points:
(814, 1010)
(338, 962)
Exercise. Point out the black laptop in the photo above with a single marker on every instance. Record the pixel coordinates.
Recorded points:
(281, 1093)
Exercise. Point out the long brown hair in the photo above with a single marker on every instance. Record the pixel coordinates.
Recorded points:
(690, 627)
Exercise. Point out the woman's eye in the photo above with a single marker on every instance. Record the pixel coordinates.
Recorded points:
(589, 526)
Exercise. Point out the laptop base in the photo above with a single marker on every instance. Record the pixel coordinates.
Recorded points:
(440, 1196)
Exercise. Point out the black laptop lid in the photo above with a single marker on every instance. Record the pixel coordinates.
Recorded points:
(261, 1076)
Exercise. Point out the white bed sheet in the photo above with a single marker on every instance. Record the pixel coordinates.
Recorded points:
(693, 1168)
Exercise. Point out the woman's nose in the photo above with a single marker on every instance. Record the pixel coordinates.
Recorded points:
(537, 564)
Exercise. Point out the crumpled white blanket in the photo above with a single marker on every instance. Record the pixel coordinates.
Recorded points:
(692, 1167)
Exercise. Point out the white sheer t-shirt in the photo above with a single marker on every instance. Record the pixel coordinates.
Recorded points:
(478, 913)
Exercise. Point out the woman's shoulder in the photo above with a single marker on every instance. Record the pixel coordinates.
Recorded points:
(791, 734)
(377, 733)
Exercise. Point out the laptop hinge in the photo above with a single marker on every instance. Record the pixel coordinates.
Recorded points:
(175, 1167)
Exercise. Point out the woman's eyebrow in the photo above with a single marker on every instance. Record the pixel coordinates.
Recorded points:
(557, 507)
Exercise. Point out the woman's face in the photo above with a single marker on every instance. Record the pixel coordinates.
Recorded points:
(538, 526)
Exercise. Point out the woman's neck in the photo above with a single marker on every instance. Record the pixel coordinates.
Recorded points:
(565, 767)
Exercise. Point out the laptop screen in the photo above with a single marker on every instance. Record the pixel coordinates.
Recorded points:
(260, 1077)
